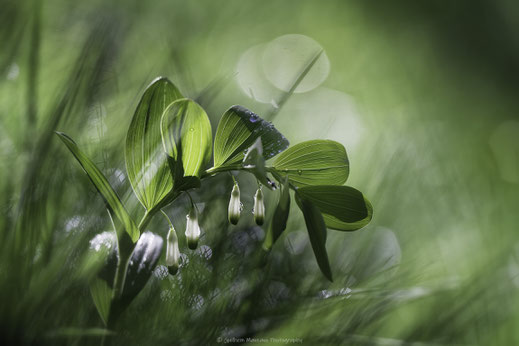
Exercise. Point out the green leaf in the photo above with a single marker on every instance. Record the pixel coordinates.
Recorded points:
(317, 233)
(144, 259)
(344, 208)
(316, 162)
(146, 163)
(142, 262)
(186, 135)
(238, 130)
(103, 186)
(279, 220)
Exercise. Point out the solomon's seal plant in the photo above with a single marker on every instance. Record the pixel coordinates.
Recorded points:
(168, 147)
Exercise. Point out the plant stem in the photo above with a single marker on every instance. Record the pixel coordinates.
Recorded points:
(148, 215)
(126, 247)
(120, 274)
(279, 178)
(214, 170)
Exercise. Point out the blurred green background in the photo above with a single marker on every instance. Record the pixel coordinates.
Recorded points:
(422, 94)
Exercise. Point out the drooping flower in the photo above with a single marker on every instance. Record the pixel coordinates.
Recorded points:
(234, 205)
(259, 208)
(172, 252)
(192, 229)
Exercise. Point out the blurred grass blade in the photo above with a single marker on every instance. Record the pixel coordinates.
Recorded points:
(238, 130)
(186, 127)
(146, 163)
(32, 77)
(213, 89)
(317, 234)
(79, 332)
(103, 186)
(281, 102)
(316, 162)
(280, 217)
(344, 208)
(101, 295)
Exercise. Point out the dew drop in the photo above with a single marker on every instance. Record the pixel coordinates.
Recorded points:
(161, 272)
(253, 117)
(299, 172)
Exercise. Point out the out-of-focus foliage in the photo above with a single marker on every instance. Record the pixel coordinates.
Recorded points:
(422, 95)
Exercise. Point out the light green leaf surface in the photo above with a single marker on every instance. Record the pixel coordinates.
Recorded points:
(344, 208)
(238, 130)
(146, 163)
(317, 234)
(103, 186)
(186, 127)
(316, 162)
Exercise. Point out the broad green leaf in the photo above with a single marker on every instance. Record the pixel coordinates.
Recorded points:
(142, 262)
(146, 163)
(317, 233)
(186, 130)
(279, 220)
(316, 162)
(344, 208)
(144, 258)
(238, 130)
(103, 186)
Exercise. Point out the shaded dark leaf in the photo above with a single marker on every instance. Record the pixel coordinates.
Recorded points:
(280, 217)
(344, 208)
(317, 234)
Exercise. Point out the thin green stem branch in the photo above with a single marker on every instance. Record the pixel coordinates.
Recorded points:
(215, 170)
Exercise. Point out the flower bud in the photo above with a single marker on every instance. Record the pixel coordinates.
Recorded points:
(172, 252)
(259, 208)
(234, 205)
(192, 229)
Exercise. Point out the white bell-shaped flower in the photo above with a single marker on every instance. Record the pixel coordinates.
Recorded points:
(234, 205)
(172, 252)
(192, 229)
(259, 208)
